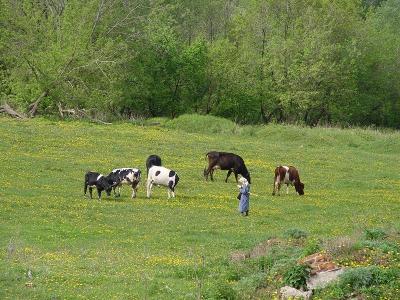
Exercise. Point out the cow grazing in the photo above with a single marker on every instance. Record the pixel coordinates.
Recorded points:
(162, 176)
(152, 160)
(226, 161)
(127, 176)
(97, 180)
(287, 175)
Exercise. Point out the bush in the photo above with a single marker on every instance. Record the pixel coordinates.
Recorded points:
(295, 233)
(248, 285)
(297, 276)
(375, 234)
(312, 246)
(203, 124)
(367, 282)
(384, 246)
(340, 245)
(221, 290)
(365, 277)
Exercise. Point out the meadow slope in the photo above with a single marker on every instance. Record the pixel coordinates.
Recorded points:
(124, 248)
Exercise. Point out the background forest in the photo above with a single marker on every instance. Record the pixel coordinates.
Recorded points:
(255, 61)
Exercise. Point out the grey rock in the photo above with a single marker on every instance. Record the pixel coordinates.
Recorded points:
(287, 292)
(322, 279)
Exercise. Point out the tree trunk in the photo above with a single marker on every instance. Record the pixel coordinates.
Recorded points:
(34, 105)
(5, 108)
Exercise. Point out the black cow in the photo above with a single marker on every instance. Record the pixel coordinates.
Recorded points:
(152, 160)
(129, 176)
(226, 161)
(97, 180)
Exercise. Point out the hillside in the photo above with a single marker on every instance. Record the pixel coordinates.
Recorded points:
(175, 249)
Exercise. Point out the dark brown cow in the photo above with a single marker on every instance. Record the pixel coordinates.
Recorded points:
(287, 175)
(226, 161)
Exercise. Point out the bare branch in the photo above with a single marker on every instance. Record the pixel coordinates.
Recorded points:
(5, 108)
(79, 113)
(34, 105)
(96, 20)
(123, 20)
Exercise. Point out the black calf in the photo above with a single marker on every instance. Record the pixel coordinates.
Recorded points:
(97, 180)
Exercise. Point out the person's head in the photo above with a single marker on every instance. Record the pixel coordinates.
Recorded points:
(243, 181)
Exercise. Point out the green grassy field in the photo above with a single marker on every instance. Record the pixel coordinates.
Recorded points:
(153, 248)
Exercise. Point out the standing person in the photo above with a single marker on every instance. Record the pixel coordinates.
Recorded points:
(244, 196)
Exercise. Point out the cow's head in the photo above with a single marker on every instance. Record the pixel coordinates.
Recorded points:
(137, 174)
(112, 180)
(105, 185)
(299, 186)
(136, 178)
(247, 176)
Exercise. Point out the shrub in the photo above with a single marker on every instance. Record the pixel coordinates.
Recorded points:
(384, 246)
(190, 272)
(249, 284)
(340, 245)
(295, 233)
(221, 290)
(297, 276)
(312, 246)
(265, 263)
(365, 277)
(203, 124)
(234, 272)
(375, 234)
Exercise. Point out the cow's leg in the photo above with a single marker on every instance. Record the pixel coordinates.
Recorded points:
(172, 188)
(169, 193)
(227, 175)
(273, 190)
(277, 186)
(90, 192)
(172, 192)
(287, 188)
(205, 173)
(210, 171)
(115, 194)
(133, 191)
(236, 176)
(99, 193)
(85, 189)
(149, 187)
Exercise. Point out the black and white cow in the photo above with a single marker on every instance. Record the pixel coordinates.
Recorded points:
(128, 176)
(164, 177)
(99, 181)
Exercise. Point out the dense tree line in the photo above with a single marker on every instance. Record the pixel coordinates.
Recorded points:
(253, 61)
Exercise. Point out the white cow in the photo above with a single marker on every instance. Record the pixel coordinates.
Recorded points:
(164, 177)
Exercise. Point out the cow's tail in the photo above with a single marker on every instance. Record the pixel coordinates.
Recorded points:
(176, 180)
(85, 183)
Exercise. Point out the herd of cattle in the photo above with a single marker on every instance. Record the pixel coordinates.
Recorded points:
(161, 176)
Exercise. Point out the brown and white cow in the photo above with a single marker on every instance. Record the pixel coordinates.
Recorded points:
(287, 175)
